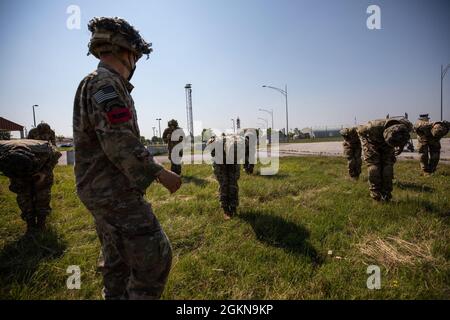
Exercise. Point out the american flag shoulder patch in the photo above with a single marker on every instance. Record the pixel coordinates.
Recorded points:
(105, 94)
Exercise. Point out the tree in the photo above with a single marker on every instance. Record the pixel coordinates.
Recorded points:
(5, 135)
(60, 138)
(206, 134)
(156, 139)
(144, 141)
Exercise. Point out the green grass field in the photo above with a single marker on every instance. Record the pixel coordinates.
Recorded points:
(275, 248)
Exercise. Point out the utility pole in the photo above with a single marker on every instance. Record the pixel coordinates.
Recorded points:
(285, 94)
(443, 73)
(34, 114)
(190, 119)
(269, 112)
(159, 124)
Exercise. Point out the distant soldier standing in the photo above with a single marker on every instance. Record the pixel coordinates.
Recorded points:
(429, 135)
(382, 140)
(113, 169)
(29, 165)
(172, 142)
(226, 157)
(42, 132)
(352, 151)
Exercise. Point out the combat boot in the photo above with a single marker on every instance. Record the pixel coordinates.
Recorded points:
(376, 196)
(227, 215)
(40, 225)
(31, 226)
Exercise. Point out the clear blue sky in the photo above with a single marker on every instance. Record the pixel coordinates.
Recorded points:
(335, 68)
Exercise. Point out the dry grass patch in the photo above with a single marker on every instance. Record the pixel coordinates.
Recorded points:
(392, 252)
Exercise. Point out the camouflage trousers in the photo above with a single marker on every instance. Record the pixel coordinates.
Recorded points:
(353, 154)
(249, 167)
(430, 153)
(136, 255)
(175, 168)
(228, 175)
(33, 199)
(380, 163)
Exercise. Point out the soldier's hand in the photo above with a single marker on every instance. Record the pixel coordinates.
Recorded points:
(171, 181)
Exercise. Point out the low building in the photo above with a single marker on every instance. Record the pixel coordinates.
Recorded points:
(9, 126)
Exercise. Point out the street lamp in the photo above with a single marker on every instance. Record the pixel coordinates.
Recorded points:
(443, 73)
(269, 112)
(159, 123)
(266, 121)
(34, 114)
(285, 94)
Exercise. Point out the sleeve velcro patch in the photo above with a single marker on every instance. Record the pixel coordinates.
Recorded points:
(119, 115)
(105, 94)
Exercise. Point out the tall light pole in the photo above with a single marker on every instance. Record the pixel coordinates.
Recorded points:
(34, 114)
(443, 73)
(159, 124)
(285, 94)
(154, 135)
(269, 112)
(266, 122)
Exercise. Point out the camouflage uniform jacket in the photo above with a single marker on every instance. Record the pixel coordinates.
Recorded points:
(45, 154)
(373, 131)
(423, 129)
(110, 160)
(49, 136)
(350, 136)
(231, 145)
(167, 137)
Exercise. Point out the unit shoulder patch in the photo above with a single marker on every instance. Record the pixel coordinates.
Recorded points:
(119, 115)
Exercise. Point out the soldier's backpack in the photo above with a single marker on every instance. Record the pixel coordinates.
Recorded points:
(22, 158)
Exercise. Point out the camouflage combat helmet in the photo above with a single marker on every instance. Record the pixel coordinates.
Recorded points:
(439, 130)
(173, 122)
(396, 135)
(43, 127)
(349, 132)
(111, 34)
(18, 163)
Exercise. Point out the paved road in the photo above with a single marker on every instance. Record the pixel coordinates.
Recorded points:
(316, 148)
(335, 149)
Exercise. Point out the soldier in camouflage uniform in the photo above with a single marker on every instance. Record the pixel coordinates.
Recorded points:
(429, 135)
(167, 137)
(113, 169)
(29, 166)
(43, 132)
(226, 156)
(382, 140)
(352, 151)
